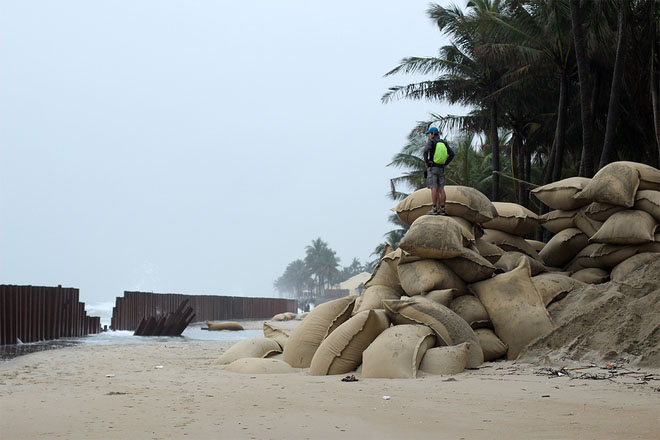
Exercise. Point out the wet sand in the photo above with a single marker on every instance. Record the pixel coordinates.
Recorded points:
(120, 391)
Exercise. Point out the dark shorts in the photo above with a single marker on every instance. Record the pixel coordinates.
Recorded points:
(435, 177)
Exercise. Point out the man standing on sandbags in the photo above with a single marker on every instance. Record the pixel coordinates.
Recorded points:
(437, 155)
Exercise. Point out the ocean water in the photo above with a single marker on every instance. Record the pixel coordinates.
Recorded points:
(193, 332)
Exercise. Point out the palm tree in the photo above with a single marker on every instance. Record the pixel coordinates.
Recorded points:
(463, 76)
(322, 262)
(294, 280)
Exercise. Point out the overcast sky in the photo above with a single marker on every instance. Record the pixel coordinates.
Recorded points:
(197, 146)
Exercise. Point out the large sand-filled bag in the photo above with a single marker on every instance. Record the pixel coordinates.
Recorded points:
(537, 245)
(591, 275)
(443, 296)
(492, 346)
(372, 298)
(609, 255)
(554, 286)
(488, 250)
(279, 335)
(649, 177)
(510, 260)
(470, 266)
(259, 366)
(249, 348)
(510, 242)
(445, 360)
(513, 218)
(433, 236)
(623, 270)
(227, 325)
(565, 245)
(583, 259)
(515, 307)
(386, 273)
(341, 351)
(471, 310)
(648, 201)
(423, 276)
(450, 328)
(470, 231)
(414, 206)
(397, 352)
(557, 220)
(615, 183)
(586, 224)
(469, 203)
(559, 195)
(630, 226)
(321, 321)
(601, 211)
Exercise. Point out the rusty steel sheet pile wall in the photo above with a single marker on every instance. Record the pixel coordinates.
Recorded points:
(133, 306)
(36, 313)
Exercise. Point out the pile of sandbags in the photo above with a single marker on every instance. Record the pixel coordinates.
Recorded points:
(469, 287)
(600, 223)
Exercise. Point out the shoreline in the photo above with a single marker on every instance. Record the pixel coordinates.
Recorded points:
(115, 391)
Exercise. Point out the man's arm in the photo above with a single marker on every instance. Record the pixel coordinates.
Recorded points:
(450, 153)
(427, 153)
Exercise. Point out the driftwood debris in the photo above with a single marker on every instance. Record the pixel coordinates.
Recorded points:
(170, 324)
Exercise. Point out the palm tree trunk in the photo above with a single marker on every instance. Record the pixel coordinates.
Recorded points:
(495, 152)
(655, 83)
(617, 84)
(561, 126)
(520, 164)
(587, 162)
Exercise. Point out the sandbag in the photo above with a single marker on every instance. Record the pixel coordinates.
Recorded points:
(553, 286)
(601, 211)
(279, 317)
(609, 255)
(469, 203)
(471, 310)
(302, 315)
(515, 307)
(510, 242)
(648, 201)
(649, 177)
(537, 245)
(449, 328)
(513, 218)
(583, 259)
(559, 195)
(623, 270)
(470, 231)
(386, 273)
(558, 220)
(445, 360)
(414, 206)
(492, 346)
(511, 260)
(279, 335)
(442, 296)
(591, 275)
(433, 236)
(615, 184)
(259, 366)
(586, 224)
(397, 352)
(565, 245)
(423, 276)
(307, 336)
(630, 226)
(489, 251)
(227, 325)
(249, 348)
(470, 266)
(372, 298)
(341, 351)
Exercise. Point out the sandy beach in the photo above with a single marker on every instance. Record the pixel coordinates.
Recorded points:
(169, 391)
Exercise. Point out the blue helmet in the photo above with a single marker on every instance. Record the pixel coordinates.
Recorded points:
(432, 130)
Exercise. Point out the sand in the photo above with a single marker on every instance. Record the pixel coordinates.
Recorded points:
(119, 391)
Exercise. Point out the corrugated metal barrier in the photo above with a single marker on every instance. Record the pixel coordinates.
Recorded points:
(35, 313)
(133, 306)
